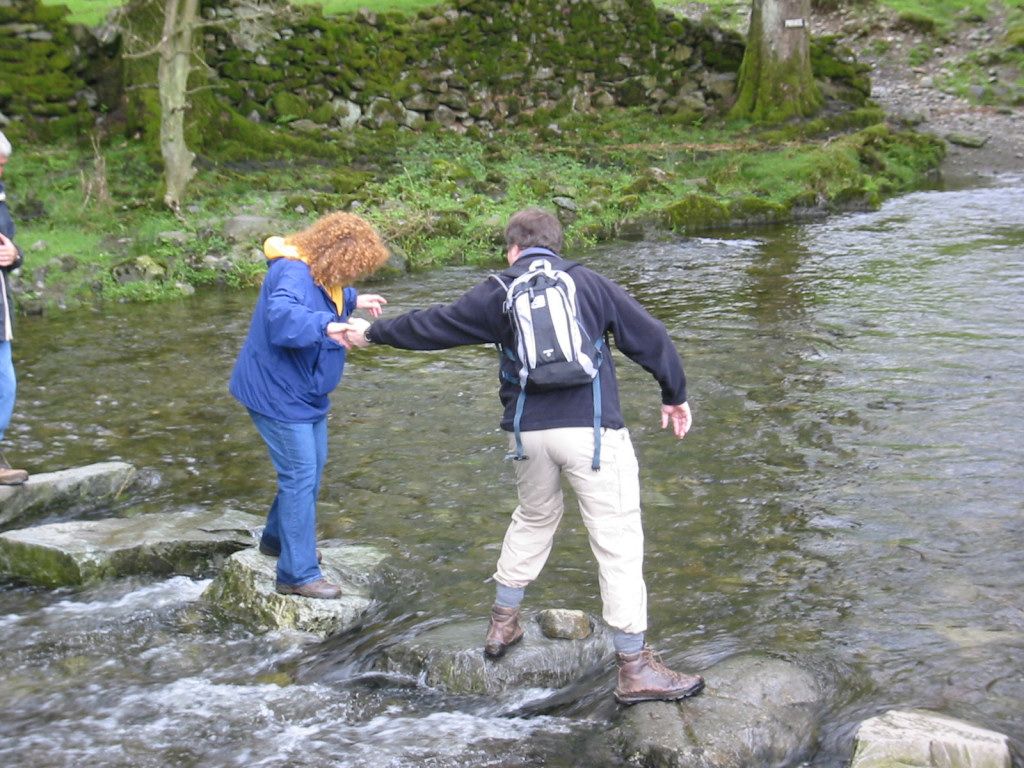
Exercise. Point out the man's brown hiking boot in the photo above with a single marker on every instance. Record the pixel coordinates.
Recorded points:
(503, 631)
(642, 677)
(9, 476)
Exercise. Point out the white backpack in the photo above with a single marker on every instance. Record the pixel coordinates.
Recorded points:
(553, 351)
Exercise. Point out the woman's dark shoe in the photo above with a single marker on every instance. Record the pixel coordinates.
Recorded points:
(9, 476)
(321, 589)
(503, 631)
(265, 550)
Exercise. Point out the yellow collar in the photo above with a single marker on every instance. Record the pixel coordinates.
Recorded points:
(276, 248)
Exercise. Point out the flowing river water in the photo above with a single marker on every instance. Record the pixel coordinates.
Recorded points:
(850, 498)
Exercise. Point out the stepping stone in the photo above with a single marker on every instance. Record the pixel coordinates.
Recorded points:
(451, 656)
(756, 710)
(920, 739)
(66, 488)
(244, 591)
(164, 544)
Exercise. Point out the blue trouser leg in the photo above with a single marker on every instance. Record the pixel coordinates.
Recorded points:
(298, 452)
(8, 386)
(272, 530)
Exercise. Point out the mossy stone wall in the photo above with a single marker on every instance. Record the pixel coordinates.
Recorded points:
(486, 63)
(51, 71)
(468, 63)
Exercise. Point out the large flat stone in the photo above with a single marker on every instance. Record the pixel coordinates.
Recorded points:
(244, 591)
(164, 544)
(920, 739)
(89, 485)
(451, 657)
(754, 711)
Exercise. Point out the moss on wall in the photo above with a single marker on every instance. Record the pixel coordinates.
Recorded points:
(386, 70)
(41, 87)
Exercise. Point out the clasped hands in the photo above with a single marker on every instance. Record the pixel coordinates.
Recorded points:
(8, 251)
(353, 332)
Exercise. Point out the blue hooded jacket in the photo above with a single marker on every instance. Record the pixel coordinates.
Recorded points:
(288, 365)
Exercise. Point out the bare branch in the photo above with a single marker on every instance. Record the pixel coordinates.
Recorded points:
(211, 87)
(153, 51)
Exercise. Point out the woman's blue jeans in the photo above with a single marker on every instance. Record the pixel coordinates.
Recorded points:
(299, 453)
(8, 386)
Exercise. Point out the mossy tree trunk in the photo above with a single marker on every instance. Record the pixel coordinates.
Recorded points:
(173, 70)
(775, 80)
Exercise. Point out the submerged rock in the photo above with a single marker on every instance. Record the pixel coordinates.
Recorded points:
(244, 591)
(451, 657)
(164, 544)
(919, 739)
(755, 710)
(91, 484)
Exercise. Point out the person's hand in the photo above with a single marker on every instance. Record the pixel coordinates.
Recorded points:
(336, 332)
(679, 416)
(372, 303)
(8, 251)
(350, 334)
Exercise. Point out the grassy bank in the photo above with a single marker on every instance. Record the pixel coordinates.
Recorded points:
(438, 197)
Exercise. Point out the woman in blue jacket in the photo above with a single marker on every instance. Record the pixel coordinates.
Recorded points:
(290, 363)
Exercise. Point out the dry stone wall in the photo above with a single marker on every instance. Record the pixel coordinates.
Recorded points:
(466, 64)
(483, 63)
(38, 62)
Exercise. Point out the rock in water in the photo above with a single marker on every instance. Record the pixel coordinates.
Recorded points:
(244, 591)
(755, 711)
(452, 657)
(80, 486)
(919, 739)
(164, 544)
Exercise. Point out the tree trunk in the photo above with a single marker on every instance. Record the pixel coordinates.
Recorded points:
(775, 79)
(173, 70)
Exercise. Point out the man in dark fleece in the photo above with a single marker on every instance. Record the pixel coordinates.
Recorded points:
(559, 435)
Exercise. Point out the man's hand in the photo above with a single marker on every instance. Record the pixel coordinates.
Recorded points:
(8, 251)
(350, 334)
(680, 417)
(372, 303)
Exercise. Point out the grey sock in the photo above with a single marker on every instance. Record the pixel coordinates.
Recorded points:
(628, 642)
(509, 597)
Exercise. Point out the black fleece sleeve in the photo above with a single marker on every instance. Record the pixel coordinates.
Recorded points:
(645, 341)
(473, 318)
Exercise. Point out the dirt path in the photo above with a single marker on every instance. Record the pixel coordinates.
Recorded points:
(910, 92)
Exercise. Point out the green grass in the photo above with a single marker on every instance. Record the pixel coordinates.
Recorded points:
(943, 13)
(437, 197)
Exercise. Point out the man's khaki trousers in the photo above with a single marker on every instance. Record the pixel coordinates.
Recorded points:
(609, 503)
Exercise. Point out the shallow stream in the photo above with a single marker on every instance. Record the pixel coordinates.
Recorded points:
(850, 498)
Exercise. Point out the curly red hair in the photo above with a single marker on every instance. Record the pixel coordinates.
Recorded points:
(340, 248)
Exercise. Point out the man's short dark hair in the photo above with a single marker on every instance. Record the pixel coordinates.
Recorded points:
(534, 228)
